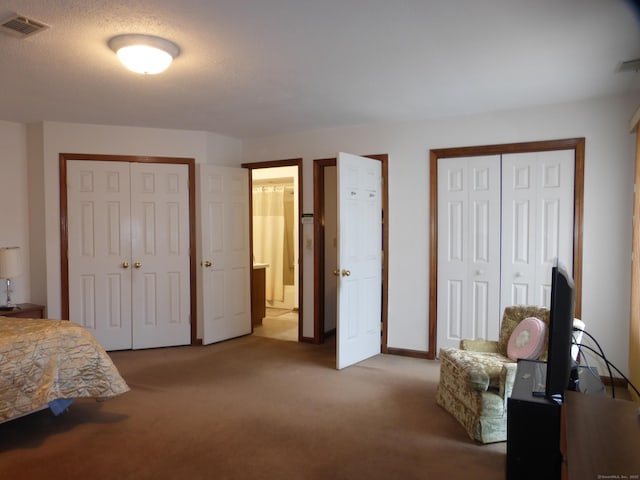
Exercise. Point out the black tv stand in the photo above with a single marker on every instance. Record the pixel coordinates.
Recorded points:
(533, 423)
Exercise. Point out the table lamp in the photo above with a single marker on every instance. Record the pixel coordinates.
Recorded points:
(10, 267)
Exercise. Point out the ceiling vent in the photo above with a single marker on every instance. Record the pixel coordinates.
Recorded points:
(20, 26)
(630, 66)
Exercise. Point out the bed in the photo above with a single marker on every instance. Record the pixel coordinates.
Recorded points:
(48, 363)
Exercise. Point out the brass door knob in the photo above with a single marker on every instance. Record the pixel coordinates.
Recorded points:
(336, 272)
(137, 264)
(346, 273)
(206, 264)
(125, 264)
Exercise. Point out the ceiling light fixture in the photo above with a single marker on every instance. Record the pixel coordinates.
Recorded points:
(144, 54)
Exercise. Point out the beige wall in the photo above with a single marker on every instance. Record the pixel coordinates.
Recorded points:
(14, 204)
(608, 201)
(50, 139)
(29, 193)
(634, 317)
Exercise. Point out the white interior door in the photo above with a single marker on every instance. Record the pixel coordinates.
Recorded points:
(160, 255)
(225, 272)
(468, 249)
(537, 206)
(359, 259)
(129, 269)
(99, 256)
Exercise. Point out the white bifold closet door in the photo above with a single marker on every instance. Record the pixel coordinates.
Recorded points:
(503, 220)
(468, 249)
(537, 223)
(129, 271)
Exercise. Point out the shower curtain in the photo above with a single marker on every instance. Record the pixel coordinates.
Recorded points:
(269, 237)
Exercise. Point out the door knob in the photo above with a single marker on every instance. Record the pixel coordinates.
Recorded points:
(346, 273)
(137, 264)
(206, 264)
(125, 264)
(336, 272)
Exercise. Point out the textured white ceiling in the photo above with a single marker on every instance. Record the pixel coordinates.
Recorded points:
(262, 67)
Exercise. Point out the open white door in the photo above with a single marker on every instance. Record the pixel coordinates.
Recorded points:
(225, 267)
(359, 259)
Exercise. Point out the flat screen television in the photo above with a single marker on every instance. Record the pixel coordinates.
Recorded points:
(559, 359)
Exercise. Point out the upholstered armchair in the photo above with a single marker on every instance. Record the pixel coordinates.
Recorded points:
(477, 378)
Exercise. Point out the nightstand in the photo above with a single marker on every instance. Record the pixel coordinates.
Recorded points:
(24, 310)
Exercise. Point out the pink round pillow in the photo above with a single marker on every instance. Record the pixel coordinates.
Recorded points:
(527, 339)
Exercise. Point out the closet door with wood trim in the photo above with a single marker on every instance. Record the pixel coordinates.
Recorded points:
(128, 230)
(160, 255)
(99, 242)
(468, 249)
(537, 223)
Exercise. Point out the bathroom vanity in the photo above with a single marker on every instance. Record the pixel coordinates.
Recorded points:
(258, 282)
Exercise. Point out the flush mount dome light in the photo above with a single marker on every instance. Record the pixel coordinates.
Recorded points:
(144, 53)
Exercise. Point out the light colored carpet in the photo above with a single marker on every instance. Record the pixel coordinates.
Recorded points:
(253, 408)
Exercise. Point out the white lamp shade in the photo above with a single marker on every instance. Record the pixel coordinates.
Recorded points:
(10, 265)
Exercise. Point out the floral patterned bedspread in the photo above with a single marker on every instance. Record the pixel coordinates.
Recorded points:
(46, 360)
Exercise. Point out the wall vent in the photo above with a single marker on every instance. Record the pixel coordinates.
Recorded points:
(630, 65)
(21, 26)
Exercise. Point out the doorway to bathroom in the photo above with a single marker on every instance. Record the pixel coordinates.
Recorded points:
(275, 233)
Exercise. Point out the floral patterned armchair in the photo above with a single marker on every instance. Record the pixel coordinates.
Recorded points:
(477, 378)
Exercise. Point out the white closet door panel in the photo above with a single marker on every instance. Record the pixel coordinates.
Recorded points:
(99, 242)
(519, 193)
(468, 249)
(484, 269)
(225, 276)
(537, 223)
(484, 324)
(555, 218)
(452, 267)
(454, 305)
(160, 255)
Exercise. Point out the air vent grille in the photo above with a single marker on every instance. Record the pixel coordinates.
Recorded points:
(21, 26)
(630, 66)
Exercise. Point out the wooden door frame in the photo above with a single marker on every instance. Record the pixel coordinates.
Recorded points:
(292, 162)
(575, 144)
(64, 231)
(318, 251)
